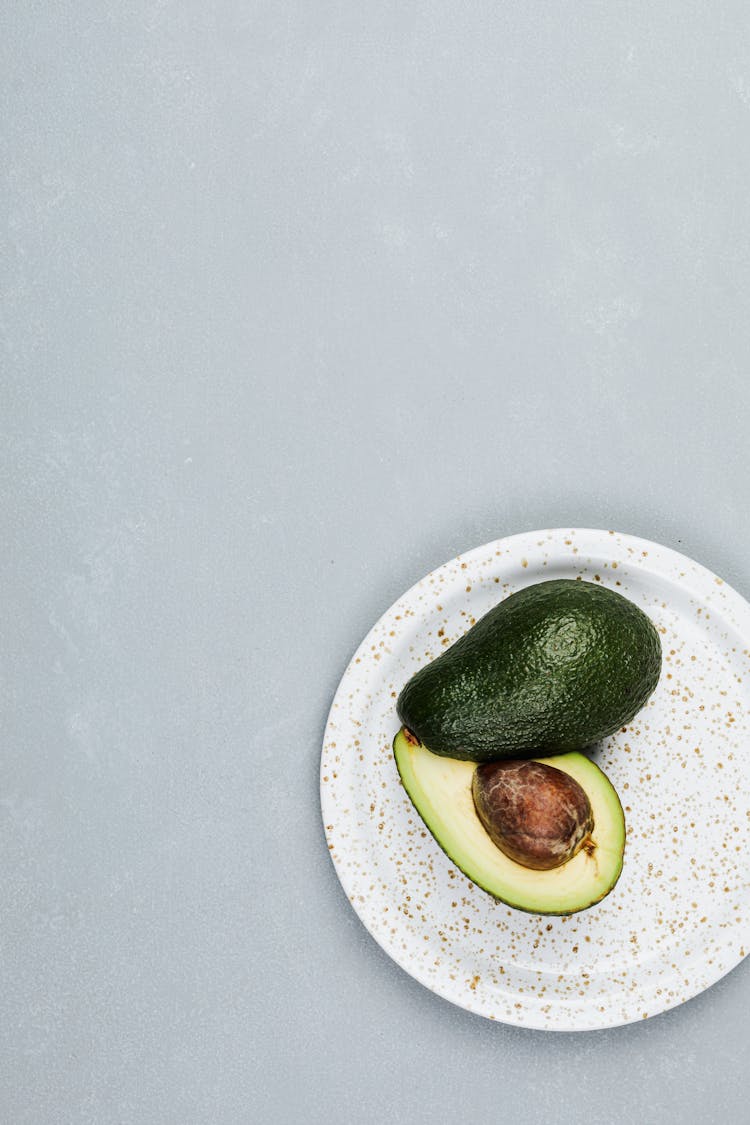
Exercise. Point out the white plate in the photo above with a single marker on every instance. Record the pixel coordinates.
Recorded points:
(677, 920)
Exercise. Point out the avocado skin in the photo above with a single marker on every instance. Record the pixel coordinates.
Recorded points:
(555, 667)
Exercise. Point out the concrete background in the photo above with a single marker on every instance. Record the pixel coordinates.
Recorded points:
(300, 300)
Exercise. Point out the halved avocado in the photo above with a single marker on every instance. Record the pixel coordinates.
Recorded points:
(440, 790)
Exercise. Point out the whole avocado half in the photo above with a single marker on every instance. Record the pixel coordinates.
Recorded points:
(553, 668)
(440, 789)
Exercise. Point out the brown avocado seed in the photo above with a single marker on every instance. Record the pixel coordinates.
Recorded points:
(536, 814)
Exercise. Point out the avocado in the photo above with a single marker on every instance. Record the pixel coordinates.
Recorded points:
(440, 789)
(553, 668)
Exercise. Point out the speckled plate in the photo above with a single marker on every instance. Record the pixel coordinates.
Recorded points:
(677, 920)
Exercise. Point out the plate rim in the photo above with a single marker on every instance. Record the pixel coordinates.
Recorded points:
(666, 554)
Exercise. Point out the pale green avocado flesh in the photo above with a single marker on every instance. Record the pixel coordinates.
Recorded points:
(440, 790)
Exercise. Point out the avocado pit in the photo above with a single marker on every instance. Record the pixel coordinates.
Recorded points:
(535, 814)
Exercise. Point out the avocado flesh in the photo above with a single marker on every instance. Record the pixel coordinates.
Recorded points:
(552, 668)
(440, 790)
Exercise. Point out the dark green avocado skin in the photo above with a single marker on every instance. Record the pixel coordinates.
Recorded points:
(555, 667)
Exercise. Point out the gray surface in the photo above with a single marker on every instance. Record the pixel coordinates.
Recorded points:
(300, 300)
